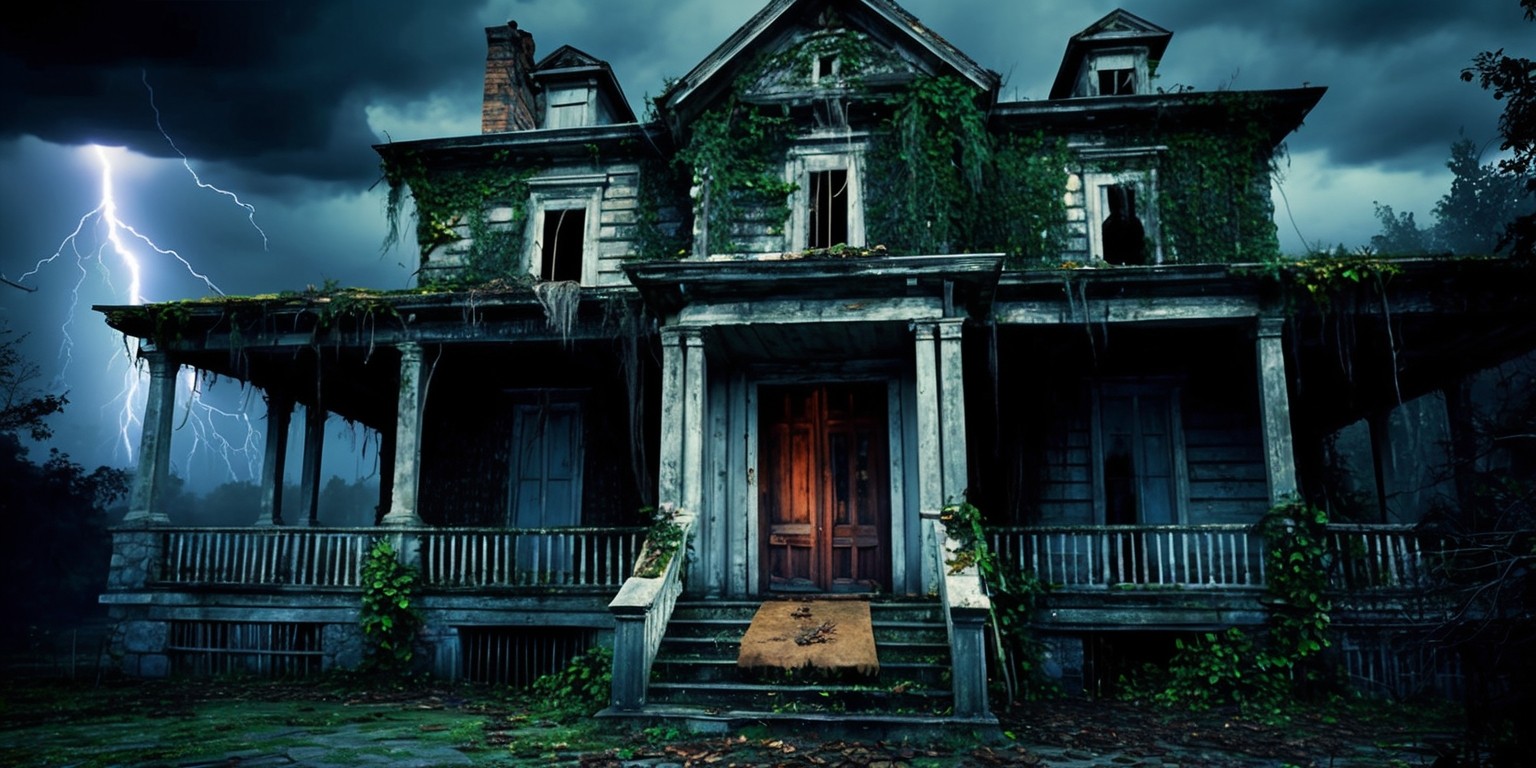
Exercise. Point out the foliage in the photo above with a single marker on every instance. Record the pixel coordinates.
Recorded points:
(940, 182)
(1297, 557)
(452, 204)
(56, 548)
(21, 408)
(1400, 235)
(1016, 595)
(581, 689)
(662, 540)
(1513, 80)
(389, 618)
(735, 159)
(1483, 200)
(1263, 679)
(1214, 204)
(659, 210)
(1325, 278)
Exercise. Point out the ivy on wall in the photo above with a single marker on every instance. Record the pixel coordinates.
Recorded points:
(735, 156)
(1214, 206)
(940, 182)
(454, 203)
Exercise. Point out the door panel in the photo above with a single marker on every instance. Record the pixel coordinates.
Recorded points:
(825, 491)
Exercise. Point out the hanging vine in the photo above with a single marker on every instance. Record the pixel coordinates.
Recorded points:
(735, 158)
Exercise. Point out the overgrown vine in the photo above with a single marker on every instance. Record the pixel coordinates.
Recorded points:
(1215, 205)
(389, 618)
(735, 158)
(454, 204)
(1015, 596)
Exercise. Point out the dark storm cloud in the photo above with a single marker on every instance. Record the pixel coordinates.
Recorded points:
(278, 86)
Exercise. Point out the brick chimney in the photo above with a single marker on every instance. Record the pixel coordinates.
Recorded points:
(509, 104)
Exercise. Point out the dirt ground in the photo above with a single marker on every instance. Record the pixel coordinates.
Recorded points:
(331, 723)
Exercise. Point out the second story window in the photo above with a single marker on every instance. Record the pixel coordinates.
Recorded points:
(562, 245)
(828, 224)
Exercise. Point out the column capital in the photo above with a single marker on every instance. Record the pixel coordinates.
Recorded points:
(1269, 326)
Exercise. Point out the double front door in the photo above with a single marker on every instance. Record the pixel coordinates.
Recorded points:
(824, 488)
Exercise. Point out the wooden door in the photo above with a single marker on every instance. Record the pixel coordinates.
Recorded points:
(825, 493)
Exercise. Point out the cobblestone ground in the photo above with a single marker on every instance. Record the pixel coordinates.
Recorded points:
(193, 724)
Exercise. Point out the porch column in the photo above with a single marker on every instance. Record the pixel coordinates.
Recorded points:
(669, 486)
(1275, 410)
(402, 502)
(314, 451)
(274, 458)
(692, 500)
(941, 457)
(151, 476)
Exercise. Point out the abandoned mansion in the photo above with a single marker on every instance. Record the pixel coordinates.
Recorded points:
(833, 320)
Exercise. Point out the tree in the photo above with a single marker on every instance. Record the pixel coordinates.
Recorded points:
(1400, 236)
(22, 409)
(1472, 217)
(55, 551)
(1513, 80)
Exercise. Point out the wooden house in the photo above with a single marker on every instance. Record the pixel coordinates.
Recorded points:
(834, 286)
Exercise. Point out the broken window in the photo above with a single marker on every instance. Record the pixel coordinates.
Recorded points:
(1117, 82)
(826, 66)
(562, 244)
(1122, 234)
(828, 225)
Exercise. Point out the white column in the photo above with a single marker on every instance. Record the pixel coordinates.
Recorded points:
(693, 423)
(402, 503)
(669, 485)
(1275, 410)
(153, 472)
(930, 473)
(314, 451)
(274, 457)
(951, 377)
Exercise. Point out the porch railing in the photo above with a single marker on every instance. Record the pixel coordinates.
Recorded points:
(597, 558)
(537, 557)
(1381, 557)
(1366, 557)
(308, 557)
(1185, 556)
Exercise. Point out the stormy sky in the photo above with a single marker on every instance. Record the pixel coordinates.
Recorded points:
(279, 101)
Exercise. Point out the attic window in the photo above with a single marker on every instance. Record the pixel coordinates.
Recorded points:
(1117, 82)
(826, 67)
(566, 108)
(563, 244)
(829, 209)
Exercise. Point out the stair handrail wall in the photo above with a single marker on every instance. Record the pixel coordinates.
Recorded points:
(641, 611)
(966, 607)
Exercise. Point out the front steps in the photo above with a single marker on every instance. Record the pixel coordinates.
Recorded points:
(695, 676)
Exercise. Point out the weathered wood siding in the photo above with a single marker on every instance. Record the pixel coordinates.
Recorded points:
(1224, 456)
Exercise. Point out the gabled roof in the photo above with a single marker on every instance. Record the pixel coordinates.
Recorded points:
(882, 20)
(571, 63)
(1119, 29)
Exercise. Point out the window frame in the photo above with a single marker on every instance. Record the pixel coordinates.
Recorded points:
(564, 194)
(1095, 186)
(564, 400)
(807, 160)
(1172, 390)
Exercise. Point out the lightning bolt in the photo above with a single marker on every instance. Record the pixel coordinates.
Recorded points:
(100, 235)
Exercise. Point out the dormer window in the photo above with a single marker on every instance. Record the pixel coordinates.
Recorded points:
(567, 107)
(1117, 82)
(1116, 74)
